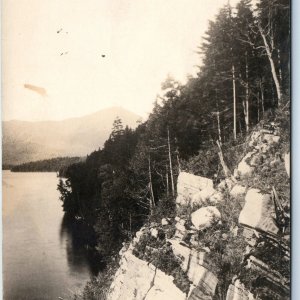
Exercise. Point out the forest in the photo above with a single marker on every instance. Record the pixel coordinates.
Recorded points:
(58, 164)
(243, 78)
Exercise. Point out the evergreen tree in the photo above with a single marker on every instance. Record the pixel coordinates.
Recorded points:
(117, 129)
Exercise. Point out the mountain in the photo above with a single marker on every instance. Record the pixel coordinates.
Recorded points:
(24, 141)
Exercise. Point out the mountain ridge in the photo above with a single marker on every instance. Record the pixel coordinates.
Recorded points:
(25, 141)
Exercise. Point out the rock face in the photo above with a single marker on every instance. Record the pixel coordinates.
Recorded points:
(139, 280)
(258, 212)
(133, 280)
(237, 291)
(164, 288)
(202, 278)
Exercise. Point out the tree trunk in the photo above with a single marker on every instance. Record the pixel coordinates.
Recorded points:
(247, 95)
(171, 168)
(167, 180)
(279, 66)
(152, 202)
(258, 112)
(272, 64)
(234, 103)
(224, 166)
(130, 225)
(262, 97)
(219, 127)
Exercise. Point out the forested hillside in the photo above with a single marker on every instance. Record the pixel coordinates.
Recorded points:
(25, 141)
(58, 164)
(243, 80)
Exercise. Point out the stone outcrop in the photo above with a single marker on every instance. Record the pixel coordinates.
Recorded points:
(133, 279)
(140, 279)
(193, 190)
(164, 288)
(137, 279)
(258, 212)
(237, 291)
(244, 167)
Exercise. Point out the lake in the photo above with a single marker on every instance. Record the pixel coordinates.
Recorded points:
(44, 256)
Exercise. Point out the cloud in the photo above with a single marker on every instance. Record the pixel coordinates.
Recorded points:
(41, 91)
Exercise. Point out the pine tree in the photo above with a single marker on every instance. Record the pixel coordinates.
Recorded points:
(118, 129)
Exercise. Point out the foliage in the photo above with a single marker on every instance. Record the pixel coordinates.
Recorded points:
(166, 208)
(98, 287)
(48, 165)
(226, 248)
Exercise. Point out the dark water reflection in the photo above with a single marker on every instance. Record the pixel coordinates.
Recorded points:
(45, 255)
(80, 242)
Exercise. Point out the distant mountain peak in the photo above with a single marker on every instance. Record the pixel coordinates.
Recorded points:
(25, 141)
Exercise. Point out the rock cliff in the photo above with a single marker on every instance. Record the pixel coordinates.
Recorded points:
(229, 240)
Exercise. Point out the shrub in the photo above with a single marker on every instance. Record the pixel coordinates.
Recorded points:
(166, 208)
(98, 287)
(226, 250)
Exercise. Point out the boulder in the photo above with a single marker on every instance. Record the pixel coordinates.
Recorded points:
(154, 232)
(270, 138)
(244, 169)
(165, 222)
(258, 212)
(205, 216)
(180, 226)
(188, 185)
(237, 191)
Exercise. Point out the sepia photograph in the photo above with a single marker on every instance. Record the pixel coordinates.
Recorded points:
(146, 149)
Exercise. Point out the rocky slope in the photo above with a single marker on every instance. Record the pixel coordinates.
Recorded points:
(229, 240)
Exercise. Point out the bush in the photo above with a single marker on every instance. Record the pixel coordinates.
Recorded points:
(98, 287)
(226, 249)
(166, 208)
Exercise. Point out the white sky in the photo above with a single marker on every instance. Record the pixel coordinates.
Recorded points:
(143, 41)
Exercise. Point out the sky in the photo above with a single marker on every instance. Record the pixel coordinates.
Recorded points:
(69, 58)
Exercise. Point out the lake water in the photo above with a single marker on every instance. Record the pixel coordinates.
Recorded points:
(44, 256)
